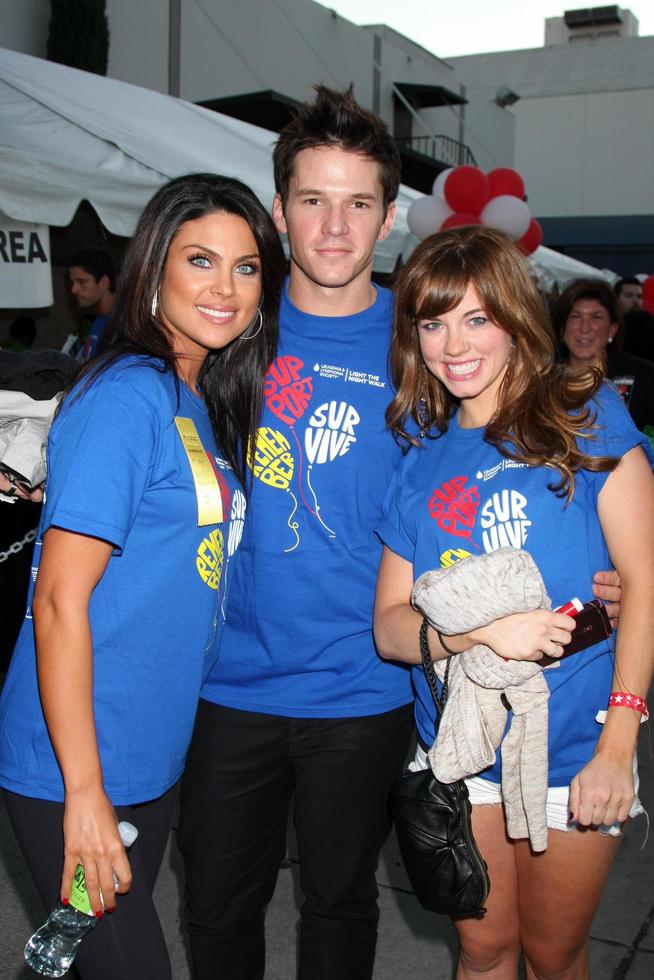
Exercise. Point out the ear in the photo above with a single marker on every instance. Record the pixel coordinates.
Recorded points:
(385, 229)
(103, 282)
(278, 215)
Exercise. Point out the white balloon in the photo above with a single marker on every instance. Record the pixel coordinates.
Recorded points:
(507, 213)
(427, 214)
(438, 190)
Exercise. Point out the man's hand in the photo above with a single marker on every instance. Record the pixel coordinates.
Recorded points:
(608, 587)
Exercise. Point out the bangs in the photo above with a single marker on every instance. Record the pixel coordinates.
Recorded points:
(439, 295)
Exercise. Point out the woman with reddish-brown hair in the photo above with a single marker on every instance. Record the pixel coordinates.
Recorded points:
(515, 451)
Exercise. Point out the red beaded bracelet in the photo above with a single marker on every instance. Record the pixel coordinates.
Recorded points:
(622, 699)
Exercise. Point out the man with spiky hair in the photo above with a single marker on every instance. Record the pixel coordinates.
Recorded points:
(299, 702)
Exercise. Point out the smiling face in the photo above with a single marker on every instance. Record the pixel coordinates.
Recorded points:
(210, 287)
(333, 216)
(467, 353)
(587, 331)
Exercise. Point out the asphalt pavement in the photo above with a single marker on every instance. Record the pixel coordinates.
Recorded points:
(412, 943)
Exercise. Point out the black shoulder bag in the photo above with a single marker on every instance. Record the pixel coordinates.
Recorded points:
(434, 829)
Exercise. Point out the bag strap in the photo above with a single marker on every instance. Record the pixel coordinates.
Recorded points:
(430, 673)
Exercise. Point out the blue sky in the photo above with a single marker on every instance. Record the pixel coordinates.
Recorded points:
(473, 26)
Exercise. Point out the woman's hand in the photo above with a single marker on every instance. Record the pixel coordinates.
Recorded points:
(71, 566)
(603, 792)
(527, 636)
(91, 839)
(14, 488)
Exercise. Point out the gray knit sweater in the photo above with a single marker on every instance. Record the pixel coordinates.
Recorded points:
(466, 596)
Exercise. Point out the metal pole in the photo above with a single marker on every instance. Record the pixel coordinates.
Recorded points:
(174, 38)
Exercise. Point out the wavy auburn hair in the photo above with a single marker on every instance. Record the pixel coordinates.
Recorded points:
(541, 408)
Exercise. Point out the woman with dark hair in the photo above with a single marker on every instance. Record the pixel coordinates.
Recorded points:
(588, 325)
(518, 452)
(145, 501)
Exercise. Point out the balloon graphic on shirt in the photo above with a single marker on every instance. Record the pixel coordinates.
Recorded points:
(272, 463)
(504, 520)
(210, 558)
(329, 434)
(453, 555)
(286, 392)
(234, 535)
(236, 522)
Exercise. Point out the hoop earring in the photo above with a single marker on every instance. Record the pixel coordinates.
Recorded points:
(155, 303)
(251, 336)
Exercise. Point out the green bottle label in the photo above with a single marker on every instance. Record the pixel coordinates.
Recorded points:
(79, 898)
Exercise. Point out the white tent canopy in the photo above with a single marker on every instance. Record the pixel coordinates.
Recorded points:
(562, 269)
(68, 136)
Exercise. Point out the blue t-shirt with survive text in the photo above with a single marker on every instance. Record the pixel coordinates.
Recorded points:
(457, 496)
(117, 470)
(299, 640)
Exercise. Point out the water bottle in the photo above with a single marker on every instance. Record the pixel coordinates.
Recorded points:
(52, 948)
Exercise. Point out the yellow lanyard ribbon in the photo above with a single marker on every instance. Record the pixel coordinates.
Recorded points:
(207, 490)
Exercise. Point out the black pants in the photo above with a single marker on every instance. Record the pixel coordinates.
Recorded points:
(241, 771)
(129, 944)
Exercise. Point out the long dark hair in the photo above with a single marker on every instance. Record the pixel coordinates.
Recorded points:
(542, 409)
(232, 378)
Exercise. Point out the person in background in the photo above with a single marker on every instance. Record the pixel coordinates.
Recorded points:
(22, 334)
(639, 334)
(587, 323)
(144, 508)
(540, 456)
(629, 292)
(92, 276)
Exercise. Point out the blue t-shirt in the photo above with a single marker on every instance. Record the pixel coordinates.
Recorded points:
(457, 496)
(299, 640)
(117, 470)
(93, 337)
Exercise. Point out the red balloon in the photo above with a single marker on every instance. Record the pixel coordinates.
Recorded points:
(460, 218)
(466, 189)
(648, 294)
(505, 180)
(532, 238)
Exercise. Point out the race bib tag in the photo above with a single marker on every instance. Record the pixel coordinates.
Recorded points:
(207, 490)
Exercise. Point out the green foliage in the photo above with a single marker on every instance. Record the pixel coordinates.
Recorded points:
(79, 34)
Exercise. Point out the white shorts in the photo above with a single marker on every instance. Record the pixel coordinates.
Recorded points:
(557, 809)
